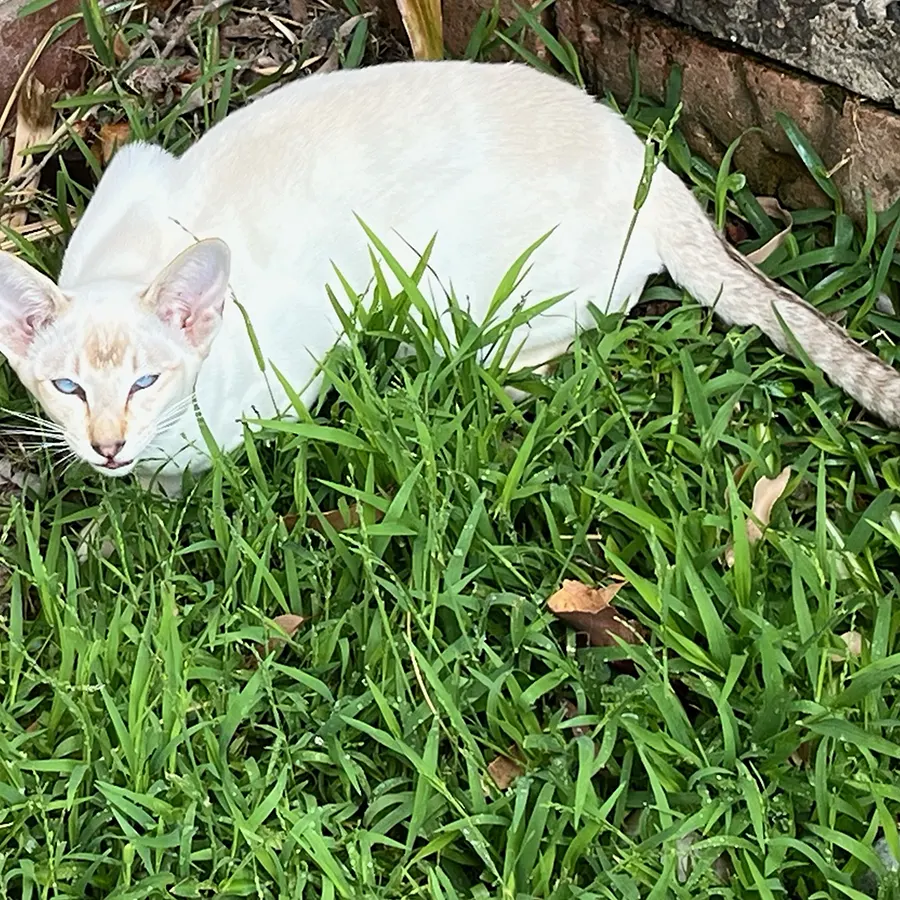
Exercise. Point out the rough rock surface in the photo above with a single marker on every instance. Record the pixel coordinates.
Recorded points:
(461, 17)
(725, 93)
(60, 65)
(853, 43)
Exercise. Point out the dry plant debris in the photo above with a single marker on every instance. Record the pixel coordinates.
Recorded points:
(774, 210)
(853, 642)
(590, 610)
(336, 518)
(505, 769)
(287, 623)
(766, 493)
(35, 118)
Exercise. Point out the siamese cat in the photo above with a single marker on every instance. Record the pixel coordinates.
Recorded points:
(265, 206)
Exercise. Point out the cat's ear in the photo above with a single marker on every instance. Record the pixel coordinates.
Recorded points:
(190, 293)
(29, 301)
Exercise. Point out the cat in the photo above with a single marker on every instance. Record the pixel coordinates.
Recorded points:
(487, 157)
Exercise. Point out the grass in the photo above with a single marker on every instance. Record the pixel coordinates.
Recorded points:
(148, 748)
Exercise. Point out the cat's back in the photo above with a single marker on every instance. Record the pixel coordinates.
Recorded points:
(410, 111)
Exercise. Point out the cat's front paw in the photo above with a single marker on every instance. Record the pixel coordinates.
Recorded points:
(164, 484)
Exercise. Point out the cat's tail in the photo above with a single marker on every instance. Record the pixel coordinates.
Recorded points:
(718, 276)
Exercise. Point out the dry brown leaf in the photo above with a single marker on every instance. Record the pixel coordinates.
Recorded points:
(504, 770)
(120, 47)
(800, 757)
(766, 493)
(288, 623)
(738, 474)
(570, 711)
(335, 519)
(112, 136)
(424, 25)
(736, 230)
(773, 209)
(34, 126)
(590, 611)
(299, 10)
(574, 596)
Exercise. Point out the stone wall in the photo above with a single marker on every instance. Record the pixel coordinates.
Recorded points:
(853, 43)
(727, 91)
(58, 66)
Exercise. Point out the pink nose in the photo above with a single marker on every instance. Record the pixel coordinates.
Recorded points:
(109, 449)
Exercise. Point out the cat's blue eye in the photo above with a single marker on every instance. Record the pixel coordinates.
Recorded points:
(144, 382)
(67, 386)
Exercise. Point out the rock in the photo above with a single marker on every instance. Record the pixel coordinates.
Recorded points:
(726, 92)
(59, 65)
(853, 44)
(461, 17)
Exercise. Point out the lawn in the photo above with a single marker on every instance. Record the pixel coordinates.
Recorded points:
(426, 726)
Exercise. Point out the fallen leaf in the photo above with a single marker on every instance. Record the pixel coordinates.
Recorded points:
(504, 770)
(853, 642)
(570, 711)
(800, 757)
(112, 136)
(736, 231)
(590, 611)
(766, 493)
(774, 210)
(299, 10)
(121, 50)
(288, 623)
(13, 476)
(35, 116)
(335, 518)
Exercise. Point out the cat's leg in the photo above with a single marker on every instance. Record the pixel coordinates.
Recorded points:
(89, 537)
(540, 360)
(163, 483)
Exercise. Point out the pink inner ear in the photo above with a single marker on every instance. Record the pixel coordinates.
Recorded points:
(18, 333)
(197, 324)
(35, 321)
(190, 294)
(174, 313)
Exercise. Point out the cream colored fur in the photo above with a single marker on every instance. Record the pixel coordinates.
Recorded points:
(487, 157)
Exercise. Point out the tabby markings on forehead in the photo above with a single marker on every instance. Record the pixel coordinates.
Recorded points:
(105, 348)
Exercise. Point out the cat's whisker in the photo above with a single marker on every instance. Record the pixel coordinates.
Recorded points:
(176, 410)
(42, 448)
(66, 464)
(32, 433)
(31, 418)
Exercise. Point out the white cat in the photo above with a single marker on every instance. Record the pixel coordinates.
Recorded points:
(487, 157)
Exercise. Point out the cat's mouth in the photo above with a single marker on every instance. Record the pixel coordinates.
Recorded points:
(114, 467)
(116, 463)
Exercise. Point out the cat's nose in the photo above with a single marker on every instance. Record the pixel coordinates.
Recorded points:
(109, 449)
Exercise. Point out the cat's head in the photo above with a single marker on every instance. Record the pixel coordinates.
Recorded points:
(113, 364)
